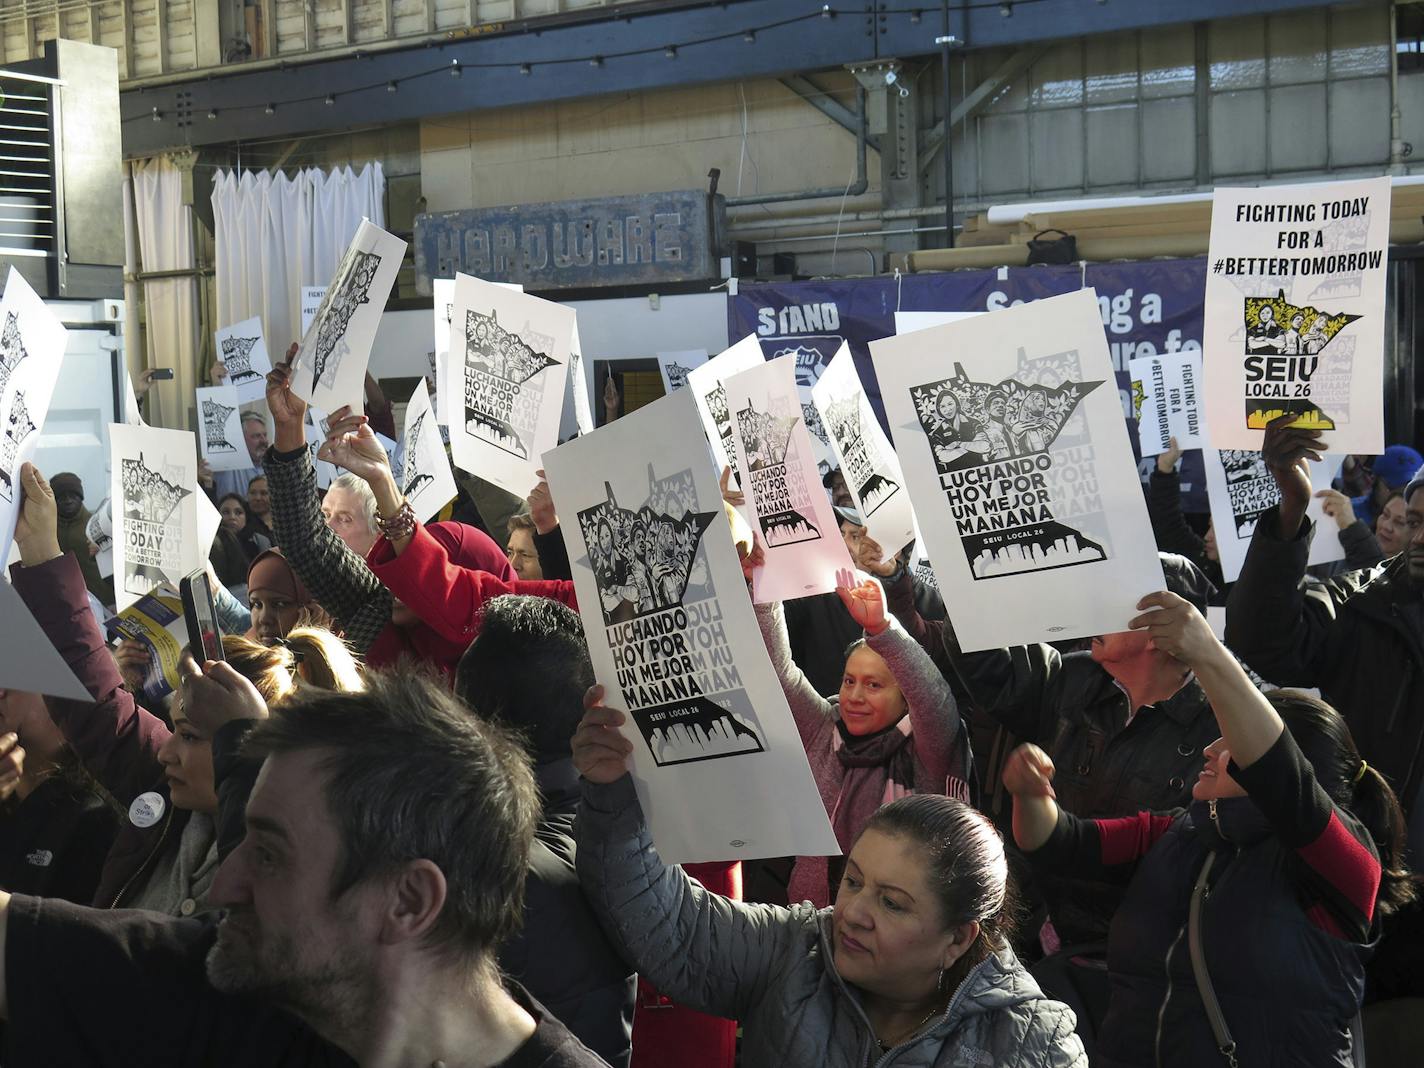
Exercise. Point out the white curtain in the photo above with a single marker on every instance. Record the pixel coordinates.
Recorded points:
(165, 239)
(275, 234)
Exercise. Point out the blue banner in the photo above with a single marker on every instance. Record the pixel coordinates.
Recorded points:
(1147, 308)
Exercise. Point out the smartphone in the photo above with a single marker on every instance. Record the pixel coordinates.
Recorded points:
(161, 374)
(204, 635)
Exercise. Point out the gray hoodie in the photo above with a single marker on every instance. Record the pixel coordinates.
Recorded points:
(772, 968)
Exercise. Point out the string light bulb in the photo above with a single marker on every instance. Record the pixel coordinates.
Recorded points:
(329, 100)
(524, 68)
(157, 115)
(391, 87)
(670, 51)
(270, 109)
(454, 68)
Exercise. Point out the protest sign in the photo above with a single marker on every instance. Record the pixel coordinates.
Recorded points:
(220, 437)
(32, 344)
(868, 463)
(243, 351)
(100, 532)
(717, 761)
(1166, 393)
(907, 322)
(505, 377)
(423, 473)
(674, 367)
(156, 622)
(28, 660)
(312, 296)
(1014, 447)
(706, 383)
(329, 369)
(153, 478)
(1294, 321)
(786, 503)
(1240, 487)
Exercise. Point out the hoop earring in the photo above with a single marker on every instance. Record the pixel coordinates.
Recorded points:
(939, 986)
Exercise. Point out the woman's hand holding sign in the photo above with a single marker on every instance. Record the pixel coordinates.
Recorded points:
(864, 600)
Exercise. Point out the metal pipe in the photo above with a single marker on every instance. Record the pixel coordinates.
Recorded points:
(802, 221)
(855, 189)
(945, 41)
(857, 233)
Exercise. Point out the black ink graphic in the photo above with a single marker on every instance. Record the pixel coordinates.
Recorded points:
(237, 358)
(12, 349)
(18, 427)
(673, 660)
(153, 543)
(350, 289)
(864, 468)
(722, 417)
(990, 444)
(215, 418)
(1283, 343)
(782, 504)
(412, 479)
(676, 377)
(1249, 487)
(500, 371)
(811, 359)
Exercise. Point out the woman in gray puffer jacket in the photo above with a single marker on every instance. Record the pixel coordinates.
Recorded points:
(911, 968)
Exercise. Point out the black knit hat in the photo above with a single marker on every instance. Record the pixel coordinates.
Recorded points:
(66, 482)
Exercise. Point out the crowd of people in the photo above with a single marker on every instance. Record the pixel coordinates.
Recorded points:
(396, 824)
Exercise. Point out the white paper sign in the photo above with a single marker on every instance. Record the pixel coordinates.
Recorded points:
(1167, 393)
(326, 472)
(787, 506)
(1294, 315)
(29, 662)
(863, 453)
(909, 321)
(312, 296)
(32, 343)
(329, 369)
(674, 367)
(243, 351)
(443, 306)
(717, 761)
(100, 531)
(154, 475)
(1012, 439)
(1240, 487)
(577, 417)
(424, 474)
(706, 383)
(220, 436)
(209, 520)
(509, 357)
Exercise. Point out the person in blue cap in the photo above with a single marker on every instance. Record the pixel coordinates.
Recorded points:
(1392, 471)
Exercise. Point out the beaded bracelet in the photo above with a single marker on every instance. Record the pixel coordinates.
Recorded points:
(398, 526)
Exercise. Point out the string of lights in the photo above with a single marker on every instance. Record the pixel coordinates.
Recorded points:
(455, 68)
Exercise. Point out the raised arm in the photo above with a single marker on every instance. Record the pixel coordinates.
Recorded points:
(338, 578)
(443, 594)
(116, 740)
(1164, 507)
(814, 715)
(1340, 860)
(934, 713)
(701, 949)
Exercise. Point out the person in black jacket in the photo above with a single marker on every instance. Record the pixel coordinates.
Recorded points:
(1358, 638)
(1123, 723)
(529, 669)
(56, 825)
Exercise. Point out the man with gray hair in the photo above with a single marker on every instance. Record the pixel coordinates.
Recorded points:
(388, 835)
(349, 509)
(254, 433)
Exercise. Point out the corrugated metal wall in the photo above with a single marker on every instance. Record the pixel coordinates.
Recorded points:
(1302, 93)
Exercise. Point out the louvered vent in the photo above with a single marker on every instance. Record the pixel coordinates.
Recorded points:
(27, 164)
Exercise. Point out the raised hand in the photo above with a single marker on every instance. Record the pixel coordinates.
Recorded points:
(600, 752)
(1178, 629)
(289, 412)
(218, 372)
(214, 693)
(870, 557)
(1167, 461)
(735, 497)
(1029, 772)
(864, 600)
(1337, 506)
(133, 659)
(541, 506)
(205, 474)
(36, 529)
(12, 764)
(1286, 449)
(752, 558)
(352, 444)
